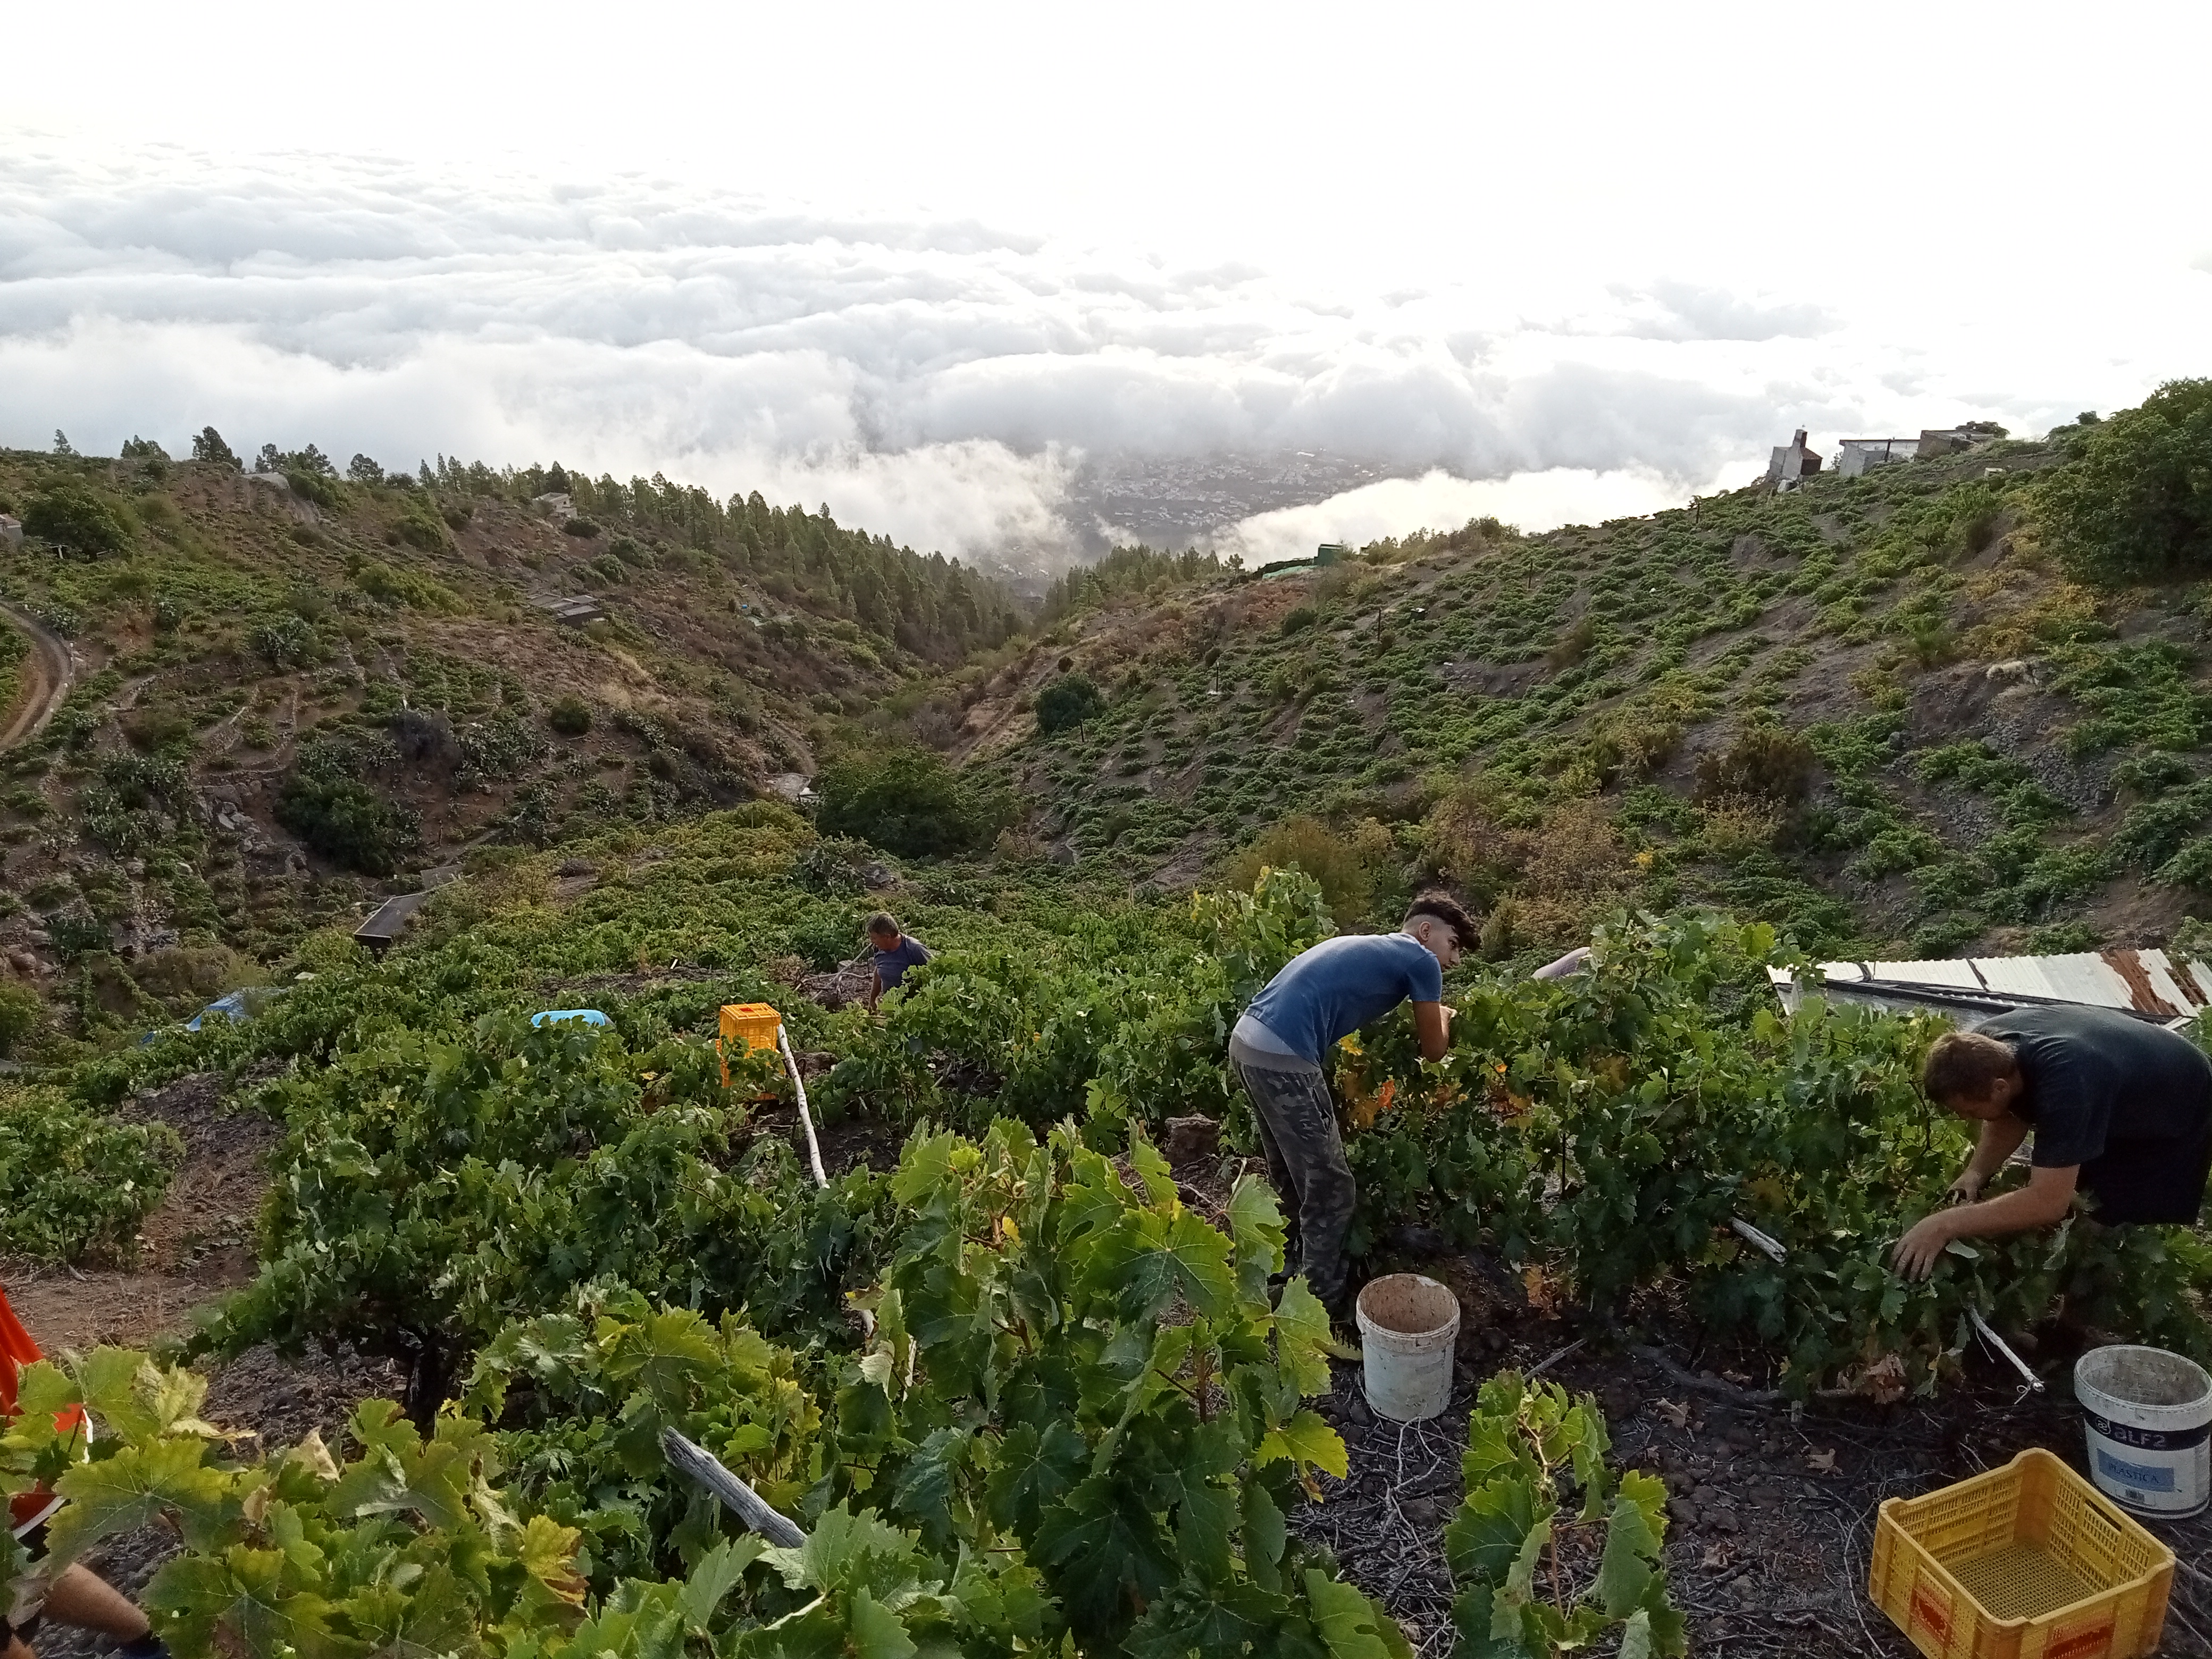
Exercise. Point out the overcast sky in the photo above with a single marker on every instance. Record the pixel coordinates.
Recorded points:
(1556, 262)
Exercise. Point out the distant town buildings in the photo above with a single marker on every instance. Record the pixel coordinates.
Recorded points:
(1949, 441)
(1791, 463)
(1857, 455)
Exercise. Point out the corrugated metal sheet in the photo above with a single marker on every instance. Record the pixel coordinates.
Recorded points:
(1960, 975)
(2146, 983)
(390, 920)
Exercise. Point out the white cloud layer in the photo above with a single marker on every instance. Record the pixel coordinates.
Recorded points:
(945, 375)
(1437, 501)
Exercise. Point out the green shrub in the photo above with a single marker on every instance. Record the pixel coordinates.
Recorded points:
(579, 527)
(2136, 503)
(283, 642)
(504, 746)
(325, 803)
(1298, 619)
(826, 935)
(570, 716)
(419, 526)
(72, 514)
(381, 582)
(1764, 762)
(325, 492)
(908, 801)
(71, 1182)
(1068, 702)
(1347, 867)
(1571, 646)
(155, 726)
(22, 1015)
(59, 618)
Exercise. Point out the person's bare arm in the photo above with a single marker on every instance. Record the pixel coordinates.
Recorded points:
(79, 1596)
(2000, 1138)
(1432, 1024)
(2043, 1201)
(875, 987)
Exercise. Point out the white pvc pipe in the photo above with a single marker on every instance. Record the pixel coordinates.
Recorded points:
(1771, 1248)
(805, 1117)
(2033, 1382)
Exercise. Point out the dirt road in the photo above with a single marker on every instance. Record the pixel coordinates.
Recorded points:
(48, 672)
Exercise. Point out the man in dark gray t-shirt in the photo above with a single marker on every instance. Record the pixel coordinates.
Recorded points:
(893, 952)
(2121, 1107)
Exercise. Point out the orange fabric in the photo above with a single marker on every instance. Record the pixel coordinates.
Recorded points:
(16, 1351)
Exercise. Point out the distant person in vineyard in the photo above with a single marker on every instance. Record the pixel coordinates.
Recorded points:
(1322, 996)
(74, 1595)
(2120, 1108)
(895, 952)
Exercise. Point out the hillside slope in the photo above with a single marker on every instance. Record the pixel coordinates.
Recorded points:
(294, 692)
(1873, 709)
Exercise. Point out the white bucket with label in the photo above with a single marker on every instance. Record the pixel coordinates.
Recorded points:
(1408, 1325)
(2148, 1417)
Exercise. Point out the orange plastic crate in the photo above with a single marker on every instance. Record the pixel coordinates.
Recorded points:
(2028, 1561)
(753, 1023)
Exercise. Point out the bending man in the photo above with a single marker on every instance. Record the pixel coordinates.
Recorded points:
(2120, 1108)
(1322, 996)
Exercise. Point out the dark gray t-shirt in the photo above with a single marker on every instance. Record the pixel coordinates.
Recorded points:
(2098, 1081)
(891, 964)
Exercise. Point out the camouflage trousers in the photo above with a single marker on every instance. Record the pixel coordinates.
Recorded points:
(1305, 1160)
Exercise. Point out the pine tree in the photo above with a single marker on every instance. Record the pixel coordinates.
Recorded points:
(209, 447)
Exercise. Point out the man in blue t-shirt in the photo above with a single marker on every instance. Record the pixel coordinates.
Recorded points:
(1323, 996)
(895, 952)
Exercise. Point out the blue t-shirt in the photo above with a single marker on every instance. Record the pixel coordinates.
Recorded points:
(891, 964)
(1326, 993)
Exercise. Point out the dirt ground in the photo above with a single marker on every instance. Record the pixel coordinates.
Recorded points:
(1771, 1508)
(1771, 1512)
(48, 672)
(197, 1245)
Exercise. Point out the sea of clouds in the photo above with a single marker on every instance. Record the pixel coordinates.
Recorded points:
(944, 380)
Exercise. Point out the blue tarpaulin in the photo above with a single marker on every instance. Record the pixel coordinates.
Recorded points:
(239, 1006)
(589, 1016)
(233, 1005)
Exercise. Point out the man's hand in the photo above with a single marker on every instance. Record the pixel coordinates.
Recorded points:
(1916, 1253)
(1965, 1190)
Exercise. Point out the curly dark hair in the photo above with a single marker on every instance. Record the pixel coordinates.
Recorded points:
(1447, 910)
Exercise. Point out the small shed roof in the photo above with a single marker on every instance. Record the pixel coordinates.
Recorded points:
(576, 608)
(2149, 983)
(390, 920)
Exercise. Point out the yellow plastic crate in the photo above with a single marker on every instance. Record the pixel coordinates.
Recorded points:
(756, 1023)
(2024, 1562)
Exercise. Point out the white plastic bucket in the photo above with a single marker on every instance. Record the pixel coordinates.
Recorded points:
(1408, 1325)
(2147, 1414)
